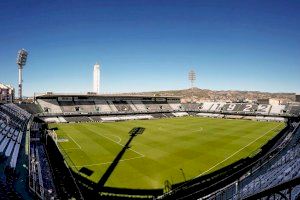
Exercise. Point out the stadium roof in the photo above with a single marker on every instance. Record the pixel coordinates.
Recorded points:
(48, 94)
(6, 86)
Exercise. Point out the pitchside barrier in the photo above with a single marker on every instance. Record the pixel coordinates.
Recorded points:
(33, 181)
(66, 184)
(53, 135)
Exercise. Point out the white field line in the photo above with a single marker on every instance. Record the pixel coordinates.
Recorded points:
(115, 137)
(197, 130)
(71, 148)
(104, 163)
(140, 154)
(237, 151)
(119, 144)
(75, 142)
(119, 140)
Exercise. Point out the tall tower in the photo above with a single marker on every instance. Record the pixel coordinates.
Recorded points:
(21, 61)
(192, 77)
(96, 83)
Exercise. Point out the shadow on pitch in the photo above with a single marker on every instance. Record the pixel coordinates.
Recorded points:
(86, 171)
(133, 133)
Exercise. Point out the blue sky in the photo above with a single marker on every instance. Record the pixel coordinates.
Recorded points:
(145, 45)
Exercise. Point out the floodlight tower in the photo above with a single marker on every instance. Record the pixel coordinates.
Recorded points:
(21, 61)
(192, 77)
(96, 83)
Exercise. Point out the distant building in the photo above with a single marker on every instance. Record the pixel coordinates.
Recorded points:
(96, 84)
(271, 101)
(297, 98)
(274, 101)
(250, 101)
(263, 101)
(7, 93)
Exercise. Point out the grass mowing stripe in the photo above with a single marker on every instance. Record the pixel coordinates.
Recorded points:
(237, 151)
(105, 163)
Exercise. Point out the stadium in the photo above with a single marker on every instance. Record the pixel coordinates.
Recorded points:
(87, 146)
(142, 125)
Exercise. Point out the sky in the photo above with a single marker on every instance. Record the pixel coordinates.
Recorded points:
(149, 45)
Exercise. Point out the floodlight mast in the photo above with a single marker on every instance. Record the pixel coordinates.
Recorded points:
(192, 77)
(21, 61)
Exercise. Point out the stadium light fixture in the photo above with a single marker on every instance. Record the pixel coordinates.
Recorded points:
(192, 77)
(21, 61)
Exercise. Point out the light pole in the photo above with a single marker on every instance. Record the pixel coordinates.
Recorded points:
(183, 174)
(192, 77)
(21, 61)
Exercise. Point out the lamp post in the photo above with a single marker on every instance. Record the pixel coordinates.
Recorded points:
(183, 174)
(192, 78)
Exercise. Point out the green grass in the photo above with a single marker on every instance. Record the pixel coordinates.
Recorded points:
(196, 145)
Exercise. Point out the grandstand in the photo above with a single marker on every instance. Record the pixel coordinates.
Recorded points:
(40, 175)
(275, 164)
(91, 108)
(13, 126)
(72, 108)
(58, 104)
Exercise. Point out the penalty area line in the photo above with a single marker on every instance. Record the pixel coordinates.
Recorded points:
(197, 130)
(71, 148)
(119, 139)
(74, 141)
(237, 151)
(118, 143)
(105, 163)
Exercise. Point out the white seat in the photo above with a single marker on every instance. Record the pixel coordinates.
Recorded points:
(3, 144)
(9, 148)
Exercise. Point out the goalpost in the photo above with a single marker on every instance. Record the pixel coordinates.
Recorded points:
(53, 134)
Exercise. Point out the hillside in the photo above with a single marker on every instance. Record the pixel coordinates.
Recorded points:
(229, 95)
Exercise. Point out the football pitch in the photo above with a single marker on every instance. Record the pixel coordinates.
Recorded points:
(172, 149)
